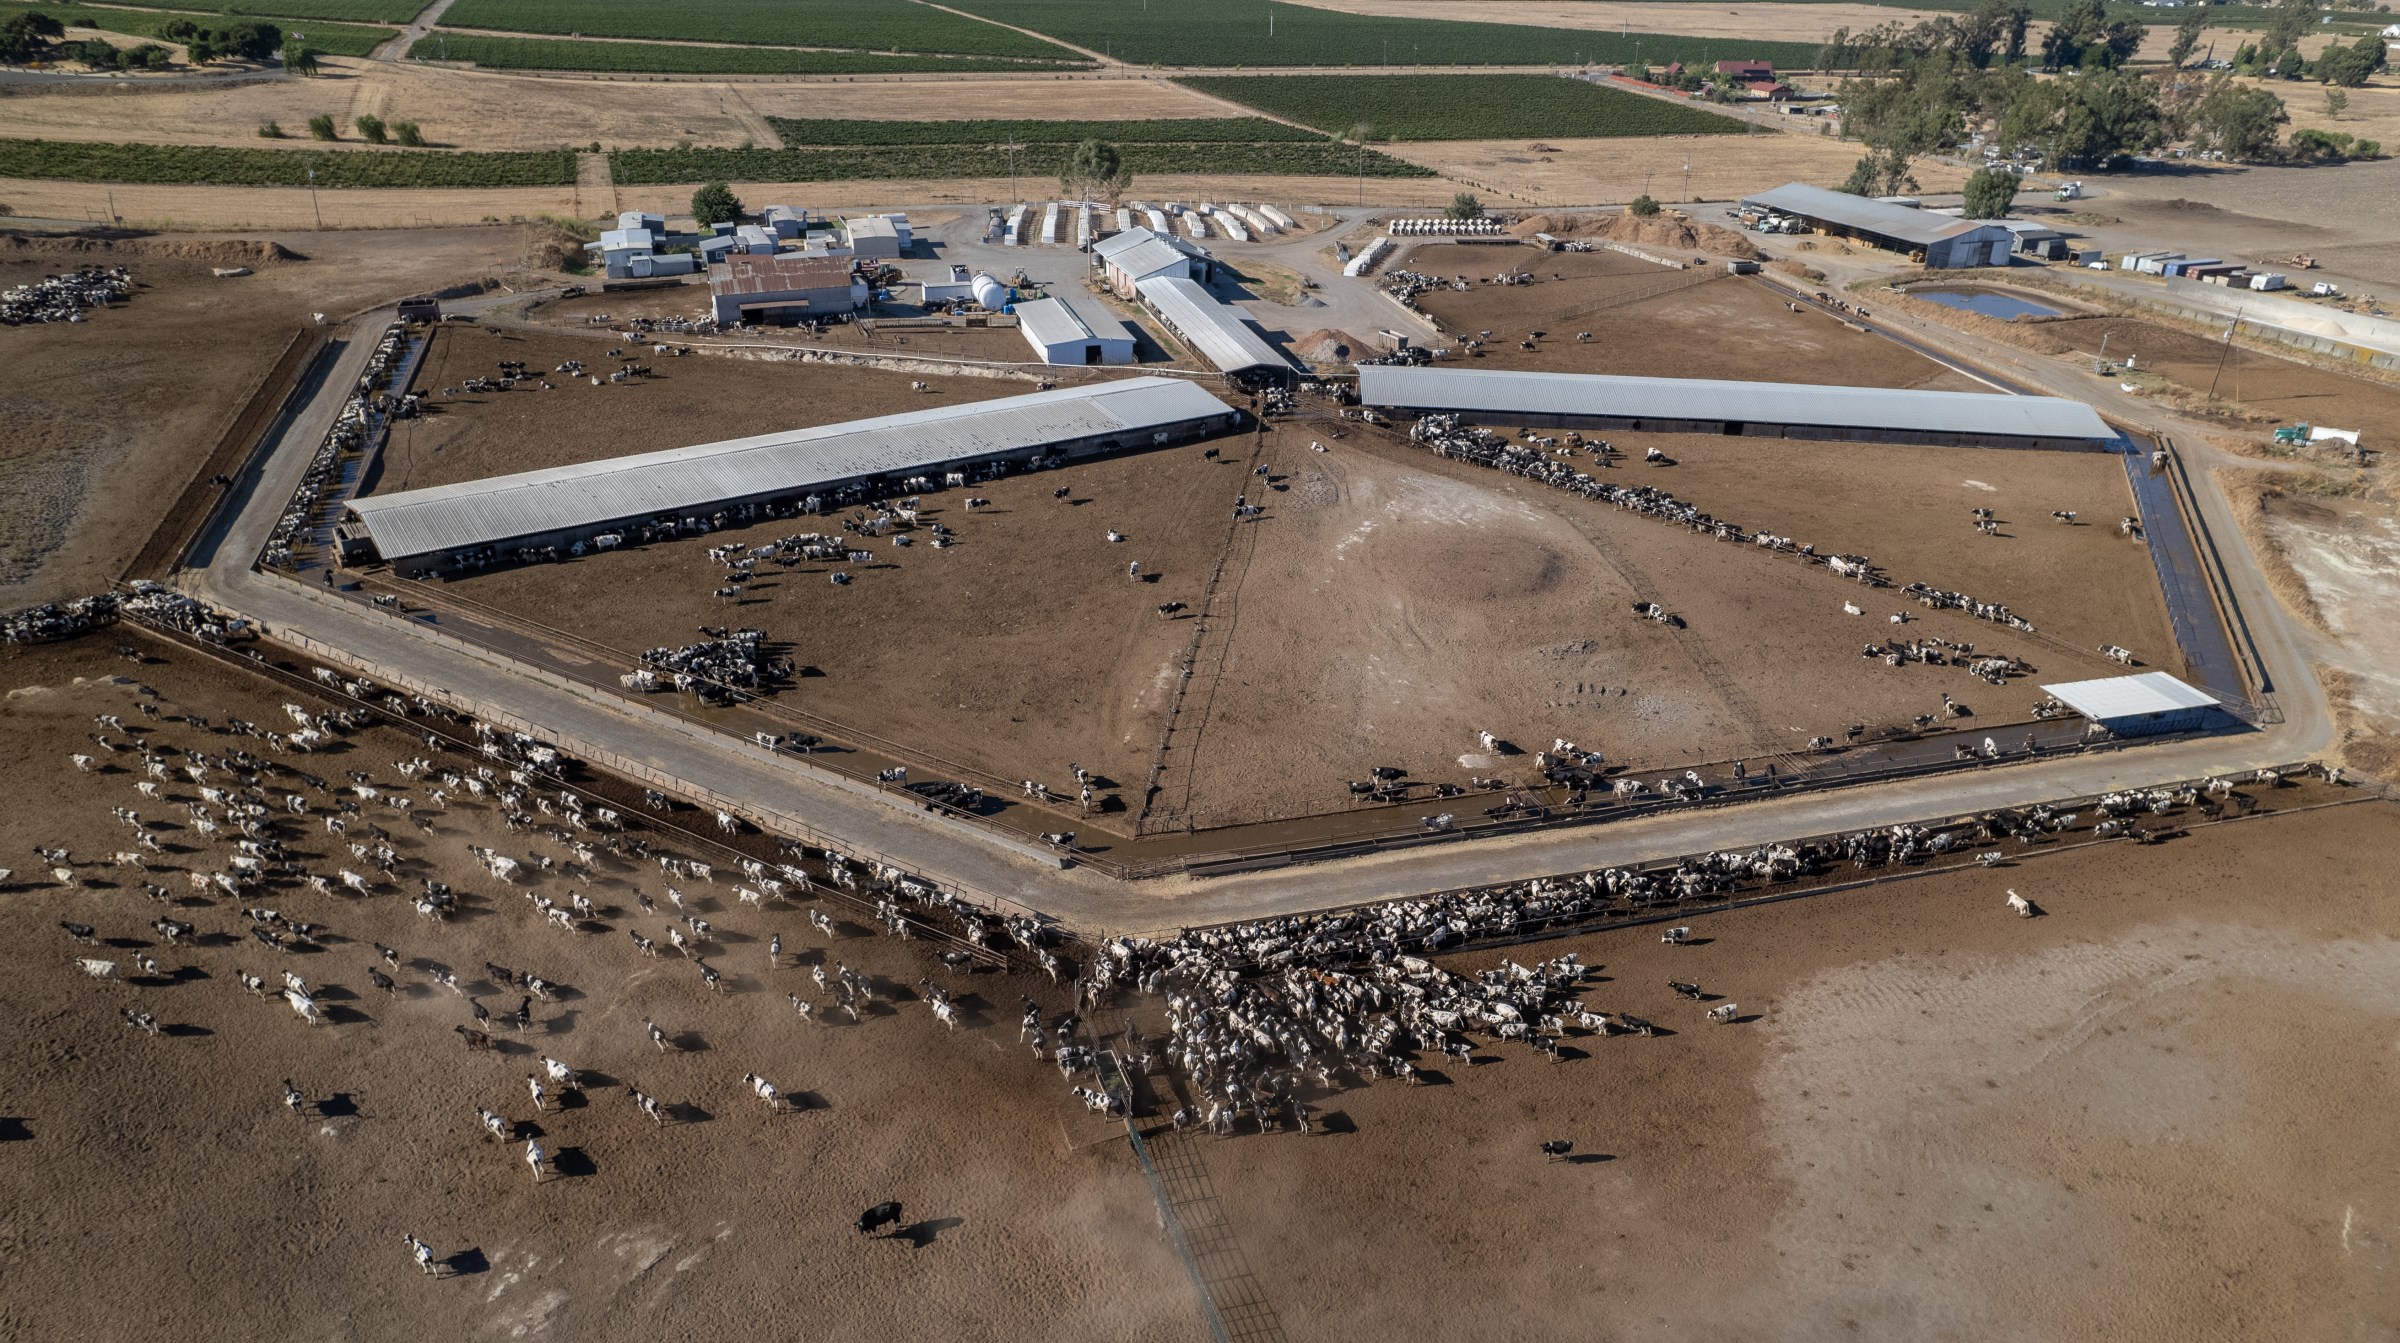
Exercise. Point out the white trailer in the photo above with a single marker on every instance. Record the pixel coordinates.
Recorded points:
(1050, 224)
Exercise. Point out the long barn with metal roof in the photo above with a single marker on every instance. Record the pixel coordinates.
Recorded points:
(1216, 331)
(497, 519)
(1714, 406)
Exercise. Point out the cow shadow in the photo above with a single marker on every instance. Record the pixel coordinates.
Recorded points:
(573, 1163)
(185, 1032)
(12, 1129)
(339, 1105)
(919, 1235)
(684, 1112)
(465, 1263)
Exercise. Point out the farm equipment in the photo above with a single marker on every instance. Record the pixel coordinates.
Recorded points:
(2292, 435)
(2303, 261)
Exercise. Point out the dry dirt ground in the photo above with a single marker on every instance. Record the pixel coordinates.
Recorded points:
(257, 1222)
(1937, 1122)
(1728, 327)
(104, 421)
(2281, 389)
(699, 398)
(467, 109)
(1457, 599)
(1606, 172)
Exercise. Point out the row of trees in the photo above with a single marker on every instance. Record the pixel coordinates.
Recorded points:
(374, 130)
(34, 36)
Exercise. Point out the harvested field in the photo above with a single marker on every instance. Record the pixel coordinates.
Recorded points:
(1612, 172)
(1764, 22)
(87, 477)
(490, 51)
(1463, 107)
(1725, 326)
(1924, 1092)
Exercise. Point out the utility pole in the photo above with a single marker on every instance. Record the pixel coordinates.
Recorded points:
(312, 198)
(1687, 179)
(2227, 349)
(1012, 169)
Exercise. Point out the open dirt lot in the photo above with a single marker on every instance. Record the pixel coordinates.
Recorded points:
(103, 422)
(1937, 1121)
(1023, 1230)
(1464, 600)
(693, 399)
(2281, 389)
(1728, 327)
(1946, 1124)
(1471, 600)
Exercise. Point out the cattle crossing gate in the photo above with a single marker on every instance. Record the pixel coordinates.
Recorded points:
(1232, 1304)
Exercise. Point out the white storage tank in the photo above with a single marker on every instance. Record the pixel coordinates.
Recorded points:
(990, 292)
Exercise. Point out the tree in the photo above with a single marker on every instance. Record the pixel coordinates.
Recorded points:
(1642, 206)
(2239, 121)
(1464, 206)
(26, 37)
(321, 127)
(1095, 172)
(373, 130)
(2349, 66)
(2187, 37)
(2084, 37)
(1989, 191)
(268, 130)
(2336, 101)
(1881, 173)
(715, 204)
(299, 60)
(200, 49)
(406, 133)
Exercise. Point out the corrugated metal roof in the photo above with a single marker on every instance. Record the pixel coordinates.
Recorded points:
(1214, 329)
(679, 480)
(1150, 257)
(1902, 222)
(1047, 322)
(778, 273)
(1494, 391)
(2126, 696)
(1120, 241)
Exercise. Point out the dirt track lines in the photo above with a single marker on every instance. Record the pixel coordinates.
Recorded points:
(1237, 539)
(1595, 533)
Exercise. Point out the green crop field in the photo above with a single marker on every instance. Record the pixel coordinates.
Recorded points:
(80, 161)
(1191, 131)
(853, 25)
(542, 53)
(1464, 107)
(669, 167)
(1235, 33)
(356, 11)
(331, 39)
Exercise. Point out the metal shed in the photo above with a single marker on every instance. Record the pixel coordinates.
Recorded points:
(1944, 242)
(1137, 254)
(1216, 331)
(1061, 335)
(781, 288)
(2140, 706)
(1762, 409)
(429, 530)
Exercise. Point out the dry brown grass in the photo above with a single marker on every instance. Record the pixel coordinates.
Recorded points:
(2250, 491)
(1764, 23)
(1611, 172)
(2360, 739)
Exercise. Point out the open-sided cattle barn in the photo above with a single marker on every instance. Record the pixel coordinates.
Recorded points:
(506, 518)
(1751, 409)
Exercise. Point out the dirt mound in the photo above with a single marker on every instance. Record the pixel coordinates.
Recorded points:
(1328, 346)
(1666, 229)
(217, 252)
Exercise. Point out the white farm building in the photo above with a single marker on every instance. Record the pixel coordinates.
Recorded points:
(1061, 335)
(558, 511)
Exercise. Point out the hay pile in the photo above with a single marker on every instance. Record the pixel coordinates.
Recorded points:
(1669, 230)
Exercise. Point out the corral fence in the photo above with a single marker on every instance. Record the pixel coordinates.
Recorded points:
(630, 771)
(1755, 891)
